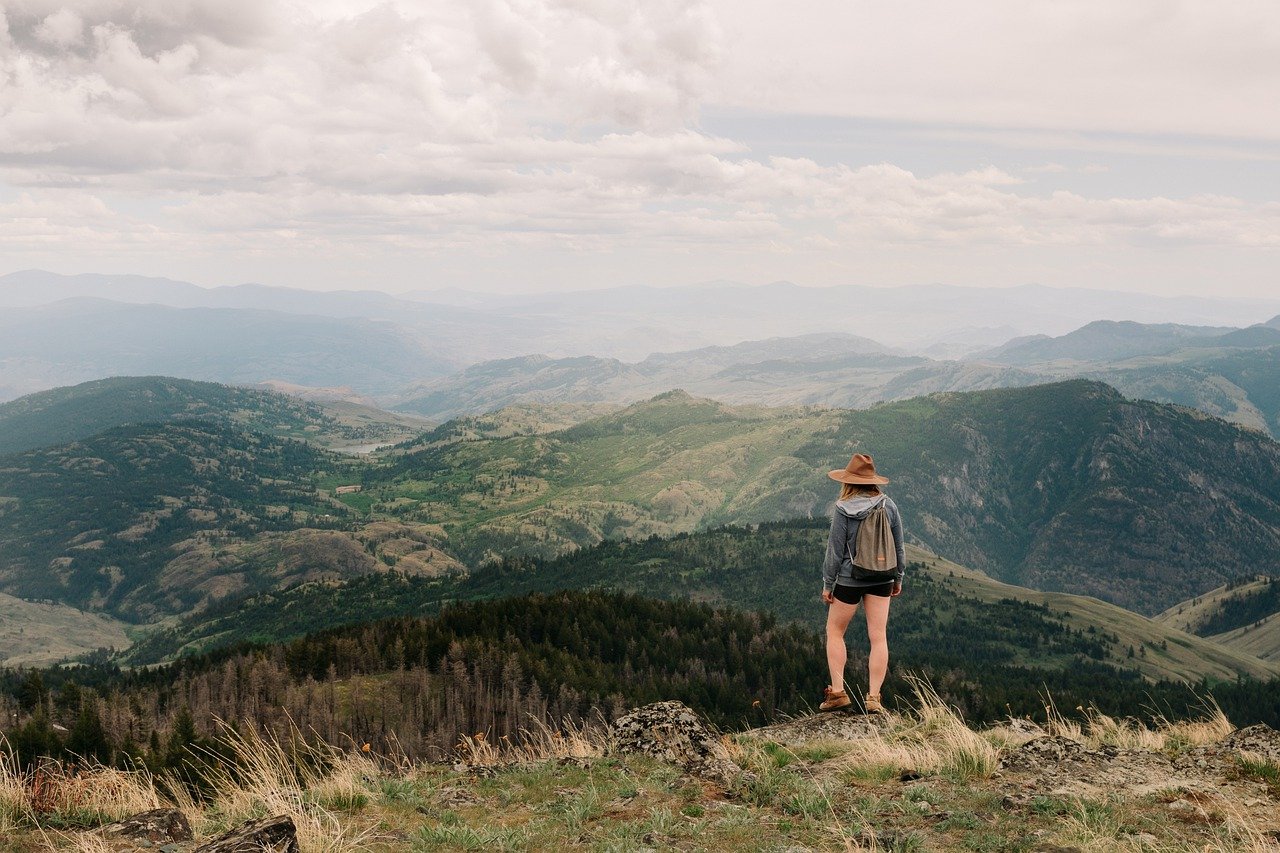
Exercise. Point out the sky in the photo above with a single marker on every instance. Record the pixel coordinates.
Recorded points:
(522, 145)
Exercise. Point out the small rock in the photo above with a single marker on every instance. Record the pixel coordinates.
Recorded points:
(151, 826)
(1189, 811)
(264, 835)
(452, 797)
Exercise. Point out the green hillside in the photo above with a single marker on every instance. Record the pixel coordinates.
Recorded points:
(1063, 487)
(101, 523)
(1244, 616)
(68, 414)
(772, 567)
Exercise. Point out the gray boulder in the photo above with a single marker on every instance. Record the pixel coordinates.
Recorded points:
(672, 732)
(157, 826)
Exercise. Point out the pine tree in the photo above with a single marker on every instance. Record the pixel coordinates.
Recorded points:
(88, 738)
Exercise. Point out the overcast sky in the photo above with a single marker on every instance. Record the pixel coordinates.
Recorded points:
(562, 144)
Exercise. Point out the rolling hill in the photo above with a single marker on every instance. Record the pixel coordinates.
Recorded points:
(146, 520)
(1065, 487)
(1062, 487)
(1243, 615)
(68, 414)
(40, 633)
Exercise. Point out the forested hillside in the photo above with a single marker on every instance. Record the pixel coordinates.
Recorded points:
(773, 568)
(105, 523)
(499, 668)
(422, 683)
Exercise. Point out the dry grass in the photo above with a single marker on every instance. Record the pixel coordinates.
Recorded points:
(931, 738)
(307, 783)
(539, 743)
(15, 804)
(86, 794)
(1098, 729)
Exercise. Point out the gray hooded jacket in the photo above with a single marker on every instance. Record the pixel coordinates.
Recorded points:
(837, 567)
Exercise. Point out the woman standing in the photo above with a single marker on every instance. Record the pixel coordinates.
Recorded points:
(844, 584)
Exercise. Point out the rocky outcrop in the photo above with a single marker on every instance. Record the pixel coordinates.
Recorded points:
(672, 732)
(157, 826)
(264, 835)
(838, 726)
(1258, 742)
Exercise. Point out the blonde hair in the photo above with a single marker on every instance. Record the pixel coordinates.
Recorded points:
(848, 490)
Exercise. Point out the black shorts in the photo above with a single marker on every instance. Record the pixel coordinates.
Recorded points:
(853, 594)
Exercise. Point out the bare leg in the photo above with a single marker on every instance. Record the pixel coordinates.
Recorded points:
(877, 612)
(838, 616)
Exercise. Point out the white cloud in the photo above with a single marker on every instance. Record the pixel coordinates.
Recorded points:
(62, 29)
(1142, 66)
(207, 127)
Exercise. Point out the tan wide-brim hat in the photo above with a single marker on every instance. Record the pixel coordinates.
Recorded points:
(861, 470)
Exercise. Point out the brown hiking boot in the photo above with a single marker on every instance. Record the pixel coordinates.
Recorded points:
(872, 704)
(834, 699)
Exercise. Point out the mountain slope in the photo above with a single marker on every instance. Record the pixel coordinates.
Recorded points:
(104, 523)
(76, 412)
(1066, 486)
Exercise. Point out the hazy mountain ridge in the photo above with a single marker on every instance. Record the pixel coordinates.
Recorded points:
(1233, 374)
(832, 377)
(71, 413)
(84, 339)
(1103, 341)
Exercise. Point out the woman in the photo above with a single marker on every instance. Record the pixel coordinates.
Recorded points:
(844, 585)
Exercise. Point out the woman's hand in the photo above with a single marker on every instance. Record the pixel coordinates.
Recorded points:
(897, 590)
(827, 596)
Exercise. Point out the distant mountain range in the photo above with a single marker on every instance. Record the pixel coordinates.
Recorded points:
(81, 339)
(1231, 373)
(57, 330)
